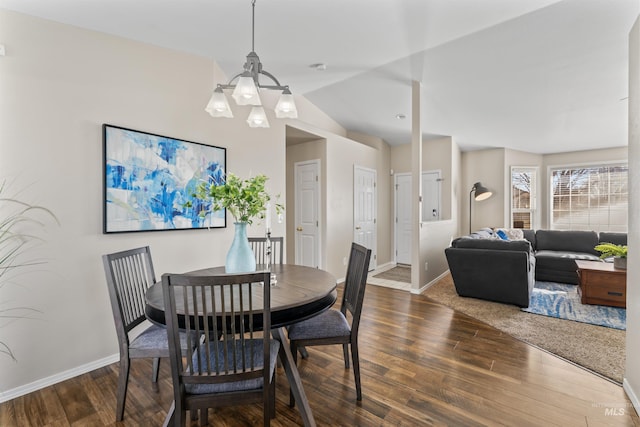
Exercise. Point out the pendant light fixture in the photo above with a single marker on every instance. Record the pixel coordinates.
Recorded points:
(246, 86)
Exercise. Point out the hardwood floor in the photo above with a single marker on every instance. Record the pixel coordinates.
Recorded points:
(422, 364)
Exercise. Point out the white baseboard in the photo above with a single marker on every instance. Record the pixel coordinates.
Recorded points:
(384, 267)
(633, 397)
(431, 283)
(380, 269)
(54, 379)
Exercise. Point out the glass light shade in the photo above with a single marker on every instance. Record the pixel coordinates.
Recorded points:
(218, 105)
(286, 106)
(245, 92)
(257, 118)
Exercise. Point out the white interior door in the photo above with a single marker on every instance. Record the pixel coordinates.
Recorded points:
(307, 213)
(364, 210)
(431, 196)
(403, 218)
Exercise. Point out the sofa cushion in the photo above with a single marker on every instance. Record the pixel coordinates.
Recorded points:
(530, 235)
(567, 241)
(495, 244)
(562, 259)
(615, 238)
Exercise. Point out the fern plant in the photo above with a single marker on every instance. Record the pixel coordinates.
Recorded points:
(18, 223)
(609, 249)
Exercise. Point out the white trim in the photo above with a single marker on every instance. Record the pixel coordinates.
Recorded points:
(59, 377)
(633, 397)
(428, 285)
(533, 196)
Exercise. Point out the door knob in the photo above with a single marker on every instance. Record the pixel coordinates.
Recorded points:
(299, 228)
(358, 227)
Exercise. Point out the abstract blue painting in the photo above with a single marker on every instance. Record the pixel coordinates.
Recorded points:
(148, 180)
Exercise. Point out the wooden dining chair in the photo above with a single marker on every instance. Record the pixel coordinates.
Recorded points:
(259, 246)
(129, 274)
(228, 368)
(333, 326)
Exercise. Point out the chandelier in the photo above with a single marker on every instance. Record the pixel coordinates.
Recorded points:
(245, 87)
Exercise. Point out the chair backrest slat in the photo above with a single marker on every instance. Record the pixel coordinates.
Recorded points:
(224, 310)
(355, 284)
(129, 274)
(260, 247)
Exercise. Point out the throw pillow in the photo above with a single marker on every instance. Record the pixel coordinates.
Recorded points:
(515, 233)
(502, 234)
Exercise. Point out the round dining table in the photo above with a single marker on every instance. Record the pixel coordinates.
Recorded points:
(297, 293)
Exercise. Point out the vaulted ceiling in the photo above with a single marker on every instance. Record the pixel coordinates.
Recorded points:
(541, 76)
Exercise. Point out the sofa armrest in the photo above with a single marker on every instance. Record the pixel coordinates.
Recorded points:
(494, 275)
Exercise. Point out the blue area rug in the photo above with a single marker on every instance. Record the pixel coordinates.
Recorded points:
(562, 301)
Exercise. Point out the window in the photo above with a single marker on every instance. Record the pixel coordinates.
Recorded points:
(523, 197)
(589, 198)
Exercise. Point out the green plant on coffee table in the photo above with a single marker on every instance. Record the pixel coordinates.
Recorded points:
(245, 199)
(609, 249)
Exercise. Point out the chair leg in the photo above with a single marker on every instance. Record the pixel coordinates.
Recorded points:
(272, 396)
(345, 351)
(123, 380)
(294, 353)
(303, 352)
(204, 416)
(356, 369)
(156, 369)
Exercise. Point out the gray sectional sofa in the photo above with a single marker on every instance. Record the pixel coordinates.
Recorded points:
(488, 267)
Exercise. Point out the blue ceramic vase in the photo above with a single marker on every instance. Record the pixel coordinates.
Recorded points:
(240, 258)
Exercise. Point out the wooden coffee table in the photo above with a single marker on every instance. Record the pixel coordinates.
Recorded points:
(602, 284)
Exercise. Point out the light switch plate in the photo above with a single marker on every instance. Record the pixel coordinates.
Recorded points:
(1, 50)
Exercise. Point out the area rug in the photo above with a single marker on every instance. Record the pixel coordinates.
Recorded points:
(563, 301)
(599, 349)
(399, 274)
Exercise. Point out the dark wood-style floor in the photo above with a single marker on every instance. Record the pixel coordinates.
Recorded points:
(422, 364)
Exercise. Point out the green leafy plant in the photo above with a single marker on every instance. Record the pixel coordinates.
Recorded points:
(609, 249)
(245, 199)
(18, 221)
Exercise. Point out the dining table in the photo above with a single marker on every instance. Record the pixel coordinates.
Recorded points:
(297, 293)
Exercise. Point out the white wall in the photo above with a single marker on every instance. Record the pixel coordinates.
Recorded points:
(312, 150)
(444, 155)
(385, 194)
(492, 167)
(58, 85)
(342, 155)
(486, 167)
(632, 371)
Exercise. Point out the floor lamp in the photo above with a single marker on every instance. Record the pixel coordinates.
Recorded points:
(482, 193)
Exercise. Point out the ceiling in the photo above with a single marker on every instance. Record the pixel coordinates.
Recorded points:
(541, 76)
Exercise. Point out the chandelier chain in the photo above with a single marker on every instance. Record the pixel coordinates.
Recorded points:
(253, 25)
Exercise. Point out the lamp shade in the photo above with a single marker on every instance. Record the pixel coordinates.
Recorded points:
(245, 92)
(257, 118)
(286, 106)
(218, 105)
(482, 193)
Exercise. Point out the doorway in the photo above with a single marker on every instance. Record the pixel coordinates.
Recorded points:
(364, 210)
(430, 209)
(307, 213)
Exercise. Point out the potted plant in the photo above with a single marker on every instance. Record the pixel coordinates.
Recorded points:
(246, 200)
(618, 252)
(18, 223)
